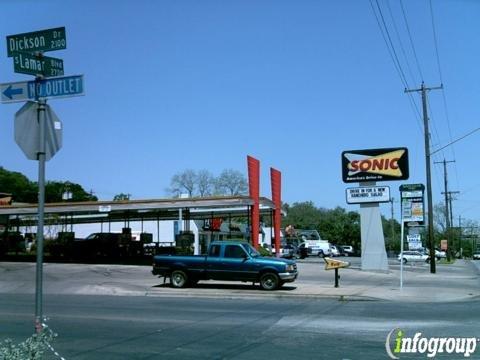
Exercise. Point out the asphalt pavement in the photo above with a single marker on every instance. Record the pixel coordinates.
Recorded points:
(451, 282)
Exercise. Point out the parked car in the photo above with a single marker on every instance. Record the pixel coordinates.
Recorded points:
(340, 250)
(334, 250)
(348, 250)
(476, 256)
(413, 256)
(288, 251)
(439, 254)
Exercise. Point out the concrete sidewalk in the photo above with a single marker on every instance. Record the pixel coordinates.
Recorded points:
(454, 282)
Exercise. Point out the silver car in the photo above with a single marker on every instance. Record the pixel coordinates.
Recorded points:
(413, 256)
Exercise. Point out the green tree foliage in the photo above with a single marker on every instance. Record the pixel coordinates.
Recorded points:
(121, 197)
(338, 225)
(55, 189)
(17, 184)
(24, 190)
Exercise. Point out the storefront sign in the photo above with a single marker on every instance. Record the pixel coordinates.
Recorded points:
(375, 165)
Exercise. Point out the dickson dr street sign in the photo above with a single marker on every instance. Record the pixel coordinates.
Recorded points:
(43, 40)
(37, 65)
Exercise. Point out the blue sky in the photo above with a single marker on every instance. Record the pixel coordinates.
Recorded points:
(173, 85)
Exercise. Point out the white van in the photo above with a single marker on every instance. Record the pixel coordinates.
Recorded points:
(315, 244)
(318, 247)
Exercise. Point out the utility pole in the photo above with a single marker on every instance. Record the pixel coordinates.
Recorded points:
(445, 182)
(460, 235)
(392, 223)
(423, 90)
(448, 195)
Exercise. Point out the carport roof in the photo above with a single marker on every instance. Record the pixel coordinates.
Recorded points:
(158, 209)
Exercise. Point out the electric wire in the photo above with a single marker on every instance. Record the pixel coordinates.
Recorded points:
(399, 40)
(411, 40)
(447, 116)
(393, 56)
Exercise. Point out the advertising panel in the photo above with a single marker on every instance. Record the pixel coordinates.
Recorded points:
(412, 203)
(414, 242)
(368, 194)
(388, 164)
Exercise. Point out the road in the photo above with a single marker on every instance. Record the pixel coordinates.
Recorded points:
(143, 327)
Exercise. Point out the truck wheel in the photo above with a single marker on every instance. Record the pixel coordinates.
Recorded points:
(178, 279)
(269, 281)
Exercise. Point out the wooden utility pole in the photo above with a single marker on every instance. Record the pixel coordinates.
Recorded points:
(423, 90)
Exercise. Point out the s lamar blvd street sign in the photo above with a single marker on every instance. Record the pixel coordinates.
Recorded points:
(368, 194)
(37, 65)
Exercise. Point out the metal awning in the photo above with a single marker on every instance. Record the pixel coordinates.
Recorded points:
(153, 209)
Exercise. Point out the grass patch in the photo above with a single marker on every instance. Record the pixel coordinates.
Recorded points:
(446, 262)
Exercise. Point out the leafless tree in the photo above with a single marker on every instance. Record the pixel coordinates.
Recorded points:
(231, 182)
(205, 183)
(184, 181)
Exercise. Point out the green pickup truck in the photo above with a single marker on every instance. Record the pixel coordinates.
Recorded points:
(226, 261)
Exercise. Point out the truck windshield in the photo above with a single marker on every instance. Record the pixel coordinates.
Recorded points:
(251, 250)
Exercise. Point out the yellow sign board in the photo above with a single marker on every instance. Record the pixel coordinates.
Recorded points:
(335, 264)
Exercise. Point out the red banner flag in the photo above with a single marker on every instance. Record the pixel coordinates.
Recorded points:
(254, 189)
(276, 180)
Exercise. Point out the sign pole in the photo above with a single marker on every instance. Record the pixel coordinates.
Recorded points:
(41, 212)
(401, 247)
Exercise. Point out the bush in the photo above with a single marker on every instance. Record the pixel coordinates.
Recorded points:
(33, 348)
(263, 251)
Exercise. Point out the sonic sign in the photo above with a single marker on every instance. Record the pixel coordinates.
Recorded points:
(375, 165)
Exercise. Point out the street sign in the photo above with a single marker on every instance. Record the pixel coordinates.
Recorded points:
(43, 40)
(58, 87)
(27, 131)
(335, 264)
(412, 203)
(414, 241)
(37, 65)
(444, 245)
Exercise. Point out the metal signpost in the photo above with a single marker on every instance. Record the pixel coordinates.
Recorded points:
(38, 131)
(411, 196)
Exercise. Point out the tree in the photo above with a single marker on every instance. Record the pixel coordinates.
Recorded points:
(303, 215)
(17, 184)
(439, 219)
(231, 182)
(205, 182)
(24, 190)
(184, 181)
(337, 226)
(54, 192)
(121, 197)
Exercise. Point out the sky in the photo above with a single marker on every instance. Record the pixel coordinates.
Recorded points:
(175, 85)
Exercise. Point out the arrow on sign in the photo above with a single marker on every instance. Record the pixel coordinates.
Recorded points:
(335, 264)
(10, 92)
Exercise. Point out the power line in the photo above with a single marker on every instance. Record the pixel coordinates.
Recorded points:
(400, 41)
(447, 116)
(411, 40)
(393, 56)
(455, 141)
